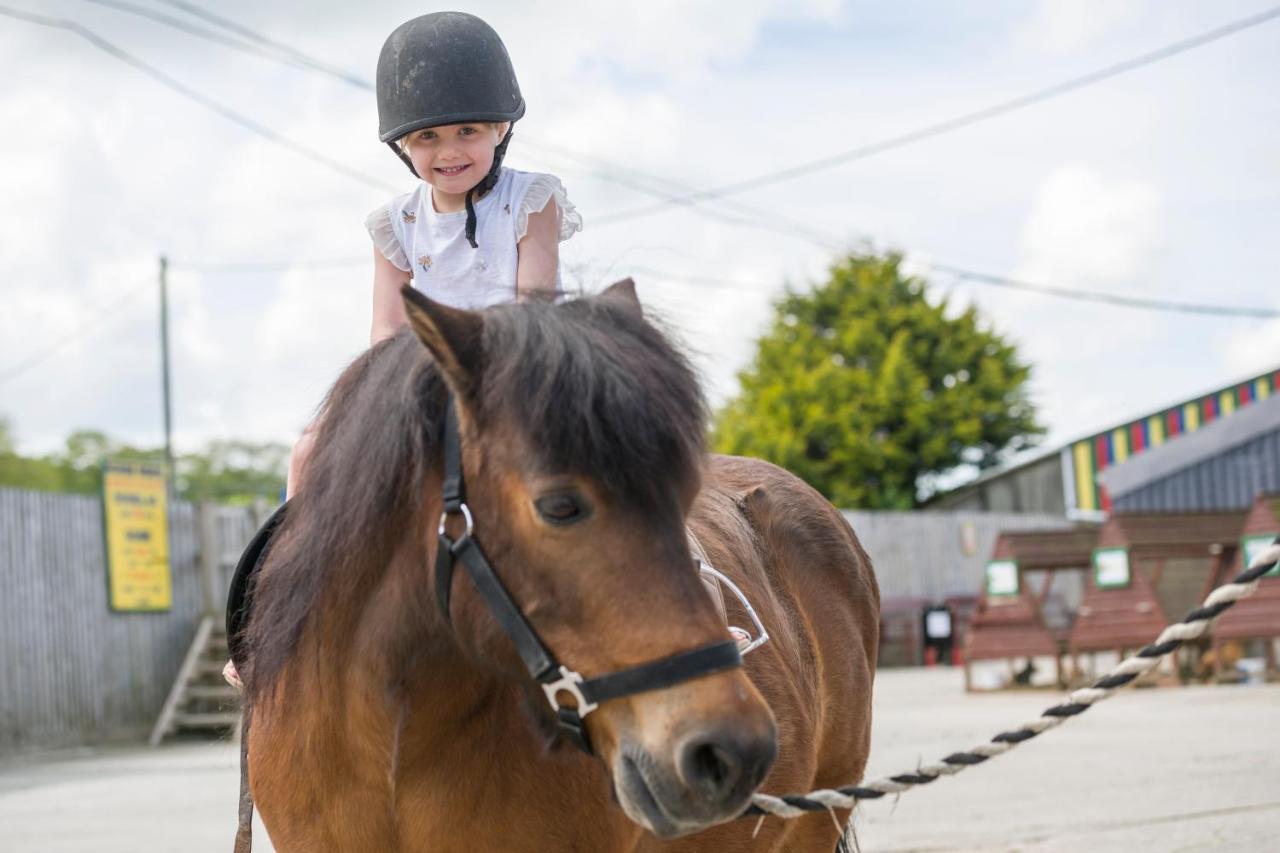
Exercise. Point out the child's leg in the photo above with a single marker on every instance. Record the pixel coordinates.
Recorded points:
(297, 462)
(298, 459)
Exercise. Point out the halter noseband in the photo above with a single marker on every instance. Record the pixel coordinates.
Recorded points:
(555, 678)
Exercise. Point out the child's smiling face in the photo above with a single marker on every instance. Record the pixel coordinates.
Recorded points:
(453, 158)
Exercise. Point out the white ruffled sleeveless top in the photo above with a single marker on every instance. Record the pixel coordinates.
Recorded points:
(432, 247)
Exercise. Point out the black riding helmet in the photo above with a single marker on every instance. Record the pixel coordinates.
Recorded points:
(446, 68)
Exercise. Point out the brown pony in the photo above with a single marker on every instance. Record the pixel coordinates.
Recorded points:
(381, 724)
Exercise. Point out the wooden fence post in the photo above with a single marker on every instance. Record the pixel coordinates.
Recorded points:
(210, 559)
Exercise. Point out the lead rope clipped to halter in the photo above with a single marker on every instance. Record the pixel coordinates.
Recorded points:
(244, 827)
(1171, 638)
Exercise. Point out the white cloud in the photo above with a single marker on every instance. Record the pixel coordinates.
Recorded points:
(1065, 26)
(1252, 347)
(673, 38)
(1085, 230)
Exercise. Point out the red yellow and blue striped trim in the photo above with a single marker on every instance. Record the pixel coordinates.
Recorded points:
(1091, 456)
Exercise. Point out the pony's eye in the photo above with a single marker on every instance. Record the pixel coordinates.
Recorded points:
(562, 508)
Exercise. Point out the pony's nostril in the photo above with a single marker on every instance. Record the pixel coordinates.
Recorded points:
(723, 766)
(711, 768)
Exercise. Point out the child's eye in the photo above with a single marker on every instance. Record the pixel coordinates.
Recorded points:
(466, 131)
(428, 134)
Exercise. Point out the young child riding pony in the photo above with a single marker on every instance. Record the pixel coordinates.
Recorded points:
(471, 233)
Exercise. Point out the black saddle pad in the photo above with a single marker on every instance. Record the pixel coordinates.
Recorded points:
(239, 599)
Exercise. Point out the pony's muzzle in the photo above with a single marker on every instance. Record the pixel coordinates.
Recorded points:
(705, 779)
(724, 766)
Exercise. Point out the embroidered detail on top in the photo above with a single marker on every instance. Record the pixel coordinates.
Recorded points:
(506, 207)
(409, 216)
(424, 261)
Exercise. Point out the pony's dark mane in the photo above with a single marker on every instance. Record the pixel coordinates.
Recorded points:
(603, 392)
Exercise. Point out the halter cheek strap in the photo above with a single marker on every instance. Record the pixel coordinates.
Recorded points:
(557, 680)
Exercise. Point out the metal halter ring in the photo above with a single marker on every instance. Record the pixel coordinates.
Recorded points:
(569, 682)
(466, 515)
(762, 636)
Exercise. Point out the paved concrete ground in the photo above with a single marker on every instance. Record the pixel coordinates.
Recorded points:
(1171, 769)
(1194, 768)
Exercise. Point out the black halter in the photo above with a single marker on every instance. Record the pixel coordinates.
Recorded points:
(555, 678)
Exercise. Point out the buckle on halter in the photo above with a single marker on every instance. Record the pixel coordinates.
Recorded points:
(569, 682)
(466, 516)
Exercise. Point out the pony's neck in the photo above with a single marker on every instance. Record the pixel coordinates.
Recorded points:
(437, 708)
(388, 645)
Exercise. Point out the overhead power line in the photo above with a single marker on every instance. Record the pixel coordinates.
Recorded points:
(690, 198)
(195, 30)
(616, 173)
(205, 101)
(741, 286)
(293, 53)
(953, 124)
(643, 181)
(250, 267)
(1109, 298)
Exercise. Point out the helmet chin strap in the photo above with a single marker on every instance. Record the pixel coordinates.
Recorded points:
(404, 158)
(489, 182)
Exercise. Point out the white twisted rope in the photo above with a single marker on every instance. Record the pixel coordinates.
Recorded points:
(1192, 626)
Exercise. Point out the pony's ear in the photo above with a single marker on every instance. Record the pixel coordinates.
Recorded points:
(452, 335)
(624, 293)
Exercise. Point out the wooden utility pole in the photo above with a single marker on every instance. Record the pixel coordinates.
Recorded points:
(164, 364)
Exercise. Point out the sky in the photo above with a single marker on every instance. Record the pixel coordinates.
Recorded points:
(1162, 183)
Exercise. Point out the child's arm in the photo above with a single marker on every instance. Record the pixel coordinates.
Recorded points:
(539, 255)
(388, 307)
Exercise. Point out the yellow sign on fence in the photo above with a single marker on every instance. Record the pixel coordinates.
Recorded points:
(136, 510)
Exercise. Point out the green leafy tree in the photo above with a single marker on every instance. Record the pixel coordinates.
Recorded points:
(6, 436)
(234, 471)
(226, 471)
(19, 471)
(868, 390)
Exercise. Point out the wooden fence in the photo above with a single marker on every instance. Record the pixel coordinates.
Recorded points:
(71, 670)
(74, 672)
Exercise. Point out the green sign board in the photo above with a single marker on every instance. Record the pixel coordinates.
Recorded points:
(1252, 546)
(1002, 577)
(1111, 568)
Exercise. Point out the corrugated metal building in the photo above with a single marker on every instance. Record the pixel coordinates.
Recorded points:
(933, 556)
(1031, 485)
(1222, 466)
(923, 559)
